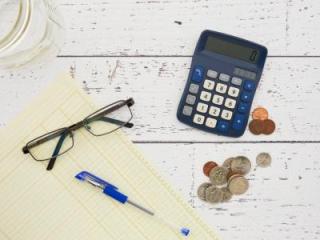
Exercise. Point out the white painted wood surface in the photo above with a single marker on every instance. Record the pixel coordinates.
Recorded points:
(155, 51)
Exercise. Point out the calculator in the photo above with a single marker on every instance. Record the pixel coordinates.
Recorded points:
(223, 78)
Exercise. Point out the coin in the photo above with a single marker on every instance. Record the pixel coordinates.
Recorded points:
(202, 190)
(256, 127)
(214, 194)
(227, 195)
(237, 184)
(241, 165)
(227, 162)
(263, 160)
(260, 114)
(218, 175)
(269, 126)
(208, 167)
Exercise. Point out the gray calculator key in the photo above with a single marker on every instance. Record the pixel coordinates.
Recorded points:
(194, 88)
(224, 77)
(191, 99)
(236, 81)
(212, 74)
(187, 110)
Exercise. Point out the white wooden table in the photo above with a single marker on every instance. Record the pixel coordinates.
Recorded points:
(120, 49)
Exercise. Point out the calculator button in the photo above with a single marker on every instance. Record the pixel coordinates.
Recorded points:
(208, 84)
(230, 103)
(243, 107)
(198, 119)
(233, 92)
(212, 74)
(214, 111)
(236, 81)
(227, 115)
(221, 88)
(187, 110)
(197, 74)
(246, 96)
(194, 88)
(211, 122)
(205, 96)
(190, 99)
(238, 121)
(224, 77)
(223, 126)
(201, 107)
(217, 99)
(249, 85)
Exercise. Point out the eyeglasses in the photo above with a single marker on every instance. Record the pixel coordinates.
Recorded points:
(102, 122)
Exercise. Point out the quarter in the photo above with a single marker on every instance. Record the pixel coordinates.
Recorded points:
(241, 165)
(237, 184)
(227, 162)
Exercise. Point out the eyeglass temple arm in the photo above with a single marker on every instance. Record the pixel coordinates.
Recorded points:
(117, 122)
(56, 150)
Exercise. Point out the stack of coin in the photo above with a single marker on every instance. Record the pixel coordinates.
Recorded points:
(260, 123)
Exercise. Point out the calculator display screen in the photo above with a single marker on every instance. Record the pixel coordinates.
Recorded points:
(227, 48)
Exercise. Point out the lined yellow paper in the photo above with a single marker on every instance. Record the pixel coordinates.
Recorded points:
(36, 204)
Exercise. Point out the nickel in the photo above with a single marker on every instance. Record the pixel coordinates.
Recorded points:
(237, 184)
(218, 176)
(263, 160)
(241, 165)
(202, 190)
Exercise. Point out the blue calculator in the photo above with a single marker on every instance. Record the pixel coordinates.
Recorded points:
(224, 75)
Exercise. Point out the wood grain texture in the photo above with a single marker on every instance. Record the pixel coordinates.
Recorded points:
(289, 89)
(172, 27)
(282, 201)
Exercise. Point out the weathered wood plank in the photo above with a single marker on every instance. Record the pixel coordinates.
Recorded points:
(281, 203)
(172, 27)
(290, 90)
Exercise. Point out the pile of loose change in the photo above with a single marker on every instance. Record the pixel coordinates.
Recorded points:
(228, 180)
(260, 123)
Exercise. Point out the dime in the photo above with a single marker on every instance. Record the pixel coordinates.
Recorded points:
(241, 165)
(227, 162)
(202, 190)
(214, 194)
(227, 195)
(263, 160)
(260, 114)
(269, 126)
(208, 167)
(256, 127)
(218, 175)
(237, 184)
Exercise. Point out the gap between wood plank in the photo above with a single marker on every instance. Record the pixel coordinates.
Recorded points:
(226, 142)
(165, 56)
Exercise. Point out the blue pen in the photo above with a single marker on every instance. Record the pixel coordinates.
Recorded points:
(113, 192)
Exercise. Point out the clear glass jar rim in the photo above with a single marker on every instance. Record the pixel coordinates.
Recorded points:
(19, 27)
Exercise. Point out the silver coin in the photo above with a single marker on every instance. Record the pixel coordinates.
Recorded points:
(214, 194)
(241, 165)
(202, 190)
(263, 160)
(237, 184)
(227, 195)
(227, 162)
(219, 175)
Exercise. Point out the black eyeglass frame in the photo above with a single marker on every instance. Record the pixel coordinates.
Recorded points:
(63, 132)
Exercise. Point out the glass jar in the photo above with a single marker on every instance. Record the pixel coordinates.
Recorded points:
(30, 30)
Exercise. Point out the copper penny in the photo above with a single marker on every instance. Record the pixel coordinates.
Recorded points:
(269, 126)
(256, 127)
(208, 167)
(260, 114)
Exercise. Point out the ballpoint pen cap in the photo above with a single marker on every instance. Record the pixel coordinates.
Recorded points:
(185, 231)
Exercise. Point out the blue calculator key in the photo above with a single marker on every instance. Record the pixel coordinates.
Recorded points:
(243, 107)
(246, 96)
(223, 126)
(238, 121)
(249, 85)
(198, 73)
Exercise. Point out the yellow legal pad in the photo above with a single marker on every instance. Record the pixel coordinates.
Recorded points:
(36, 204)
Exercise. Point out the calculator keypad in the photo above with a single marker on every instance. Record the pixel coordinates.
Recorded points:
(218, 100)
